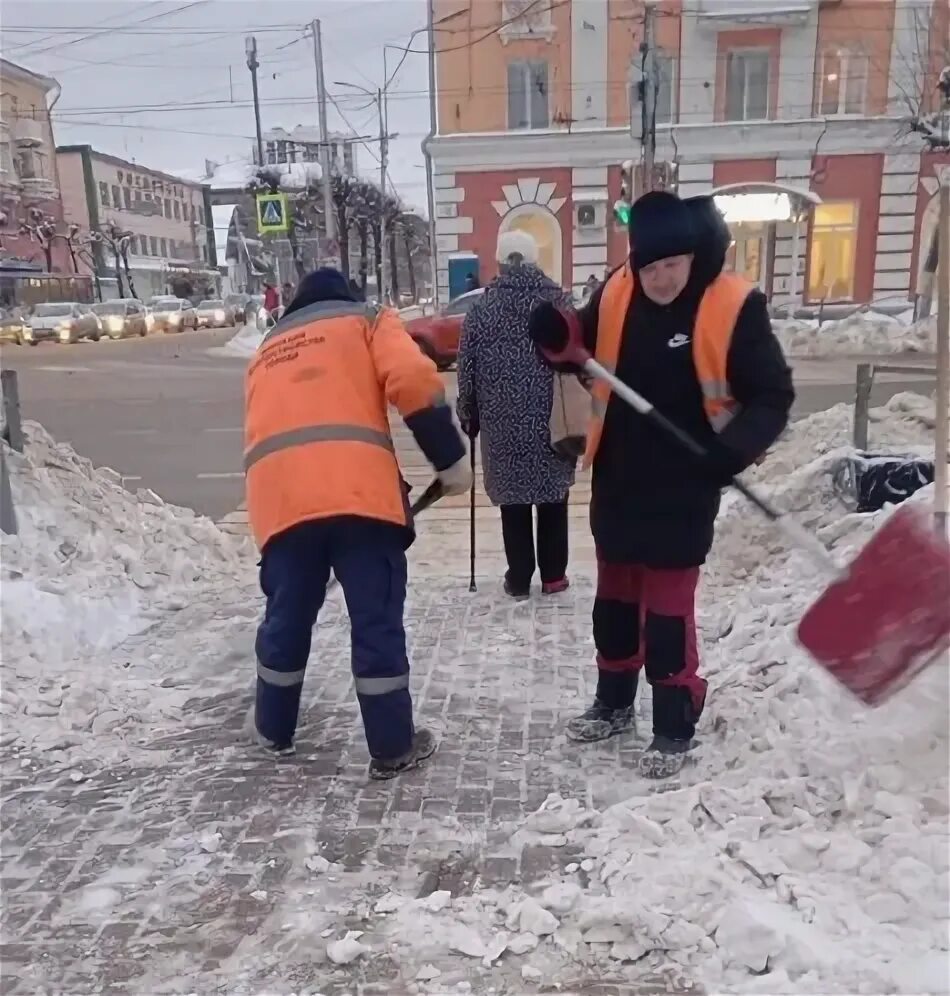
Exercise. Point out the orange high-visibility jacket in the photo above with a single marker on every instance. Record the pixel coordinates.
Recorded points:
(712, 334)
(317, 441)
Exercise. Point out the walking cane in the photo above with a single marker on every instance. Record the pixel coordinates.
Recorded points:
(472, 587)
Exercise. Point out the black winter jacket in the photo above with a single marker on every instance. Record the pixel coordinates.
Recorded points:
(652, 503)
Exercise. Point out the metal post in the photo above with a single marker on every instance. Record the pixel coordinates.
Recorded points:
(433, 131)
(325, 165)
(649, 96)
(11, 409)
(794, 298)
(862, 404)
(8, 523)
(250, 45)
(383, 163)
(942, 423)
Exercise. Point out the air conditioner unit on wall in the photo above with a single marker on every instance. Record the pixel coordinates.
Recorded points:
(589, 214)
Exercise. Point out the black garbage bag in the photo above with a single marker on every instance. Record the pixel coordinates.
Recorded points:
(866, 482)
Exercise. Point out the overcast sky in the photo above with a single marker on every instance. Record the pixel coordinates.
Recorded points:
(181, 57)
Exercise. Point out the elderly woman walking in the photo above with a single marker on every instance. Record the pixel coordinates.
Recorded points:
(505, 393)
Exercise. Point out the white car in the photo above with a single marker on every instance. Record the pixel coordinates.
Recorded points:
(214, 314)
(65, 321)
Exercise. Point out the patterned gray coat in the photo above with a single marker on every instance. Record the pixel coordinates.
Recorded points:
(505, 390)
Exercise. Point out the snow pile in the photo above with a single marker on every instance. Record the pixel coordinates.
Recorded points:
(91, 565)
(244, 343)
(808, 849)
(863, 332)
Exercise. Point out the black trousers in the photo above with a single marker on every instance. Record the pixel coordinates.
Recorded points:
(517, 528)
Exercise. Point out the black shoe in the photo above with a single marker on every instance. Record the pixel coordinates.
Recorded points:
(664, 757)
(423, 747)
(600, 722)
(518, 594)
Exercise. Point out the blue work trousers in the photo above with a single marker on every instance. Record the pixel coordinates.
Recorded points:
(295, 571)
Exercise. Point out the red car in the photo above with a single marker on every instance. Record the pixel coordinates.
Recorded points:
(438, 335)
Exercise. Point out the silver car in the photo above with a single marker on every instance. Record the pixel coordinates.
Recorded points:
(214, 314)
(171, 314)
(64, 321)
(122, 318)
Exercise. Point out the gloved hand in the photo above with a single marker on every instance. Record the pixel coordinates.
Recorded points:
(723, 463)
(457, 479)
(549, 330)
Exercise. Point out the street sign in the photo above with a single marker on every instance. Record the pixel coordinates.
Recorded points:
(271, 213)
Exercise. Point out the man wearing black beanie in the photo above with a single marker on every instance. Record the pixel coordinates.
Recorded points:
(698, 344)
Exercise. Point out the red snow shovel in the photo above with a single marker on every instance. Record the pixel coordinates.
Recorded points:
(884, 617)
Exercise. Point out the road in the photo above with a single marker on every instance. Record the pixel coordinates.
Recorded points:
(166, 411)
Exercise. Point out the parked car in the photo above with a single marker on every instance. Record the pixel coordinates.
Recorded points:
(122, 317)
(172, 314)
(65, 321)
(14, 328)
(438, 335)
(214, 314)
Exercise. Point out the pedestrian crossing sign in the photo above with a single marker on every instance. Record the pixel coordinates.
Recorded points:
(271, 213)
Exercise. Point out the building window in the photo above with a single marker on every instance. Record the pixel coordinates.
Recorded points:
(177, 208)
(168, 208)
(116, 196)
(844, 81)
(204, 253)
(201, 216)
(270, 153)
(834, 239)
(103, 194)
(164, 245)
(747, 85)
(127, 198)
(528, 95)
(154, 243)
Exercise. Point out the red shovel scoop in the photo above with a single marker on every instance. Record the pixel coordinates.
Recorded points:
(884, 618)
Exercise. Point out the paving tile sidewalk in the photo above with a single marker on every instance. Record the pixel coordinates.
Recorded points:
(190, 867)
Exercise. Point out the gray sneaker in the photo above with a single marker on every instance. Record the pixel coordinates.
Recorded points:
(600, 722)
(423, 747)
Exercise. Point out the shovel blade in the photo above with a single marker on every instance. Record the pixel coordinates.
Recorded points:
(889, 616)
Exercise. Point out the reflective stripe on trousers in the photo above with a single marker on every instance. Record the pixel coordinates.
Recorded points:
(381, 686)
(280, 679)
(305, 434)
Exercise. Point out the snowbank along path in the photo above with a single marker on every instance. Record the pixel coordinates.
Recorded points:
(805, 851)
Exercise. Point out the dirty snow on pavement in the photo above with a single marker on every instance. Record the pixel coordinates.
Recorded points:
(865, 332)
(90, 566)
(805, 850)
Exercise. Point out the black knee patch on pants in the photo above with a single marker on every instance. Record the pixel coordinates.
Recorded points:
(666, 646)
(616, 629)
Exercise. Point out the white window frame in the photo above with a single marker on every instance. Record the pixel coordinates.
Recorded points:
(846, 56)
(673, 61)
(742, 52)
(526, 66)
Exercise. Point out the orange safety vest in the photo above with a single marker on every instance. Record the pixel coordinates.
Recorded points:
(712, 334)
(316, 432)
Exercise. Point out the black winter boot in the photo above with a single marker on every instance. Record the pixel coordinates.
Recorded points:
(674, 723)
(612, 711)
(423, 747)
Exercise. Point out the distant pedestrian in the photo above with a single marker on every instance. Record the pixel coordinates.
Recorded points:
(506, 393)
(271, 300)
(472, 282)
(287, 293)
(590, 286)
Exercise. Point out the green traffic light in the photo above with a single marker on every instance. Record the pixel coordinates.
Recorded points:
(622, 212)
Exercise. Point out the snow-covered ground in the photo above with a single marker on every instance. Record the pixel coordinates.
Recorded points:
(91, 565)
(865, 332)
(806, 851)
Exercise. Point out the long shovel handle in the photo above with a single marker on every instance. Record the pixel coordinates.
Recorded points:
(809, 543)
(471, 521)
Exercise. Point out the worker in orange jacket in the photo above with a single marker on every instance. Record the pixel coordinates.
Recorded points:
(324, 492)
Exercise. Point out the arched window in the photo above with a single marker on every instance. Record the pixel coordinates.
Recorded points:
(546, 231)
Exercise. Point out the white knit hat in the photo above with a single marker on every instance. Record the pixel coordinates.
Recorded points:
(516, 243)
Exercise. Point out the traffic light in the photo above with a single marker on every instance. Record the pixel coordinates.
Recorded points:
(622, 204)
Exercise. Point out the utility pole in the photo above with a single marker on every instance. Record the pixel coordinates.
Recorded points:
(648, 103)
(942, 411)
(250, 46)
(383, 164)
(325, 166)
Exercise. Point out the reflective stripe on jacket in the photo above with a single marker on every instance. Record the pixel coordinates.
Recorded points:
(316, 433)
(716, 318)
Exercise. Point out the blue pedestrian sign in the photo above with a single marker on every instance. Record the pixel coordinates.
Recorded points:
(271, 213)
